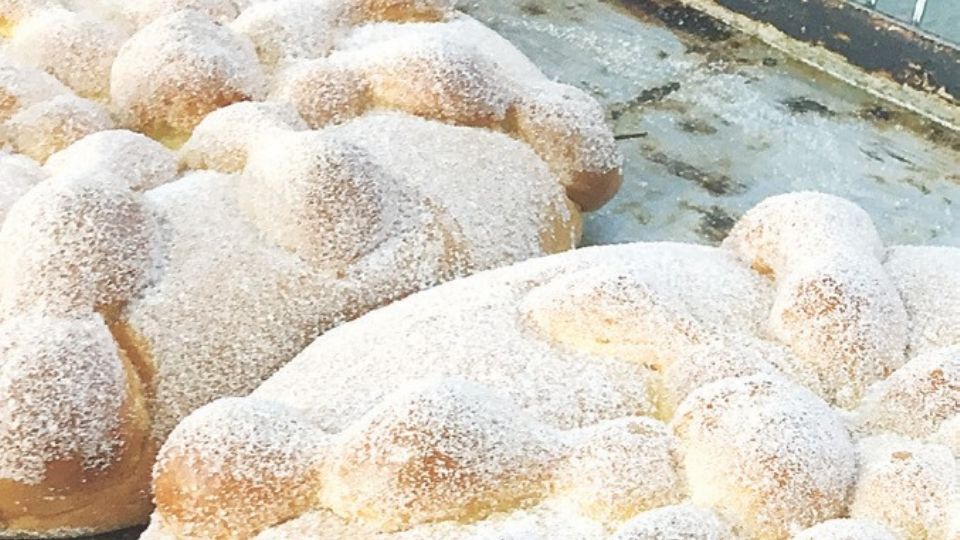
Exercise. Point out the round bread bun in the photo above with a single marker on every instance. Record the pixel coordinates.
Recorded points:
(847, 529)
(222, 139)
(93, 221)
(324, 91)
(77, 49)
(567, 128)
(917, 398)
(17, 175)
(438, 78)
(322, 198)
(910, 487)
(250, 456)
(438, 450)
(178, 69)
(768, 455)
(80, 461)
(47, 127)
(22, 87)
(621, 468)
(286, 30)
(135, 158)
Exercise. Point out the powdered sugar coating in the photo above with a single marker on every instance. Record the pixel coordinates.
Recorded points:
(433, 451)
(910, 487)
(285, 30)
(264, 301)
(719, 358)
(575, 342)
(917, 398)
(92, 220)
(52, 125)
(768, 455)
(136, 15)
(286, 448)
(619, 468)
(179, 68)
(76, 48)
(438, 78)
(561, 386)
(21, 87)
(845, 323)
(847, 529)
(640, 314)
(684, 521)
(836, 308)
(18, 174)
(929, 285)
(135, 158)
(949, 435)
(207, 304)
(324, 91)
(63, 386)
(218, 270)
(319, 196)
(222, 139)
(450, 165)
(789, 230)
(462, 72)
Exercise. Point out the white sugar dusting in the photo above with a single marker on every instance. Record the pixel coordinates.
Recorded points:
(768, 455)
(62, 385)
(18, 174)
(911, 487)
(76, 48)
(679, 521)
(836, 307)
(518, 401)
(179, 68)
(135, 158)
(92, 220)
(21, 87)
(847, 529)
(52, 125)
(286, 30)
(929, 285)
(456, 168)
(222, 139)
(917, 398)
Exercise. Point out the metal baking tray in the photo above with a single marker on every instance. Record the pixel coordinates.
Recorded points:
(712, 119)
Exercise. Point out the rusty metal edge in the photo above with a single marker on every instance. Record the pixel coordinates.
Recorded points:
(887, 58)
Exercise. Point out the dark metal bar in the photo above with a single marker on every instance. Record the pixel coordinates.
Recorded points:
(870, 40)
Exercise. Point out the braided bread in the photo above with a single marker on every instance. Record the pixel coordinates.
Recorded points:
(633, 391)
(166, 240)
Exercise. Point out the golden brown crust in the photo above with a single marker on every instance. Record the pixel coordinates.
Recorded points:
(73, 497)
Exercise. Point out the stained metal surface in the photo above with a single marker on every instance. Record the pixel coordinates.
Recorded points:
(939, 17)
(865, 38)
(712, 121)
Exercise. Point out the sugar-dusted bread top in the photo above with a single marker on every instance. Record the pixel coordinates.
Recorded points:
(217, 182)
(635, 391)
